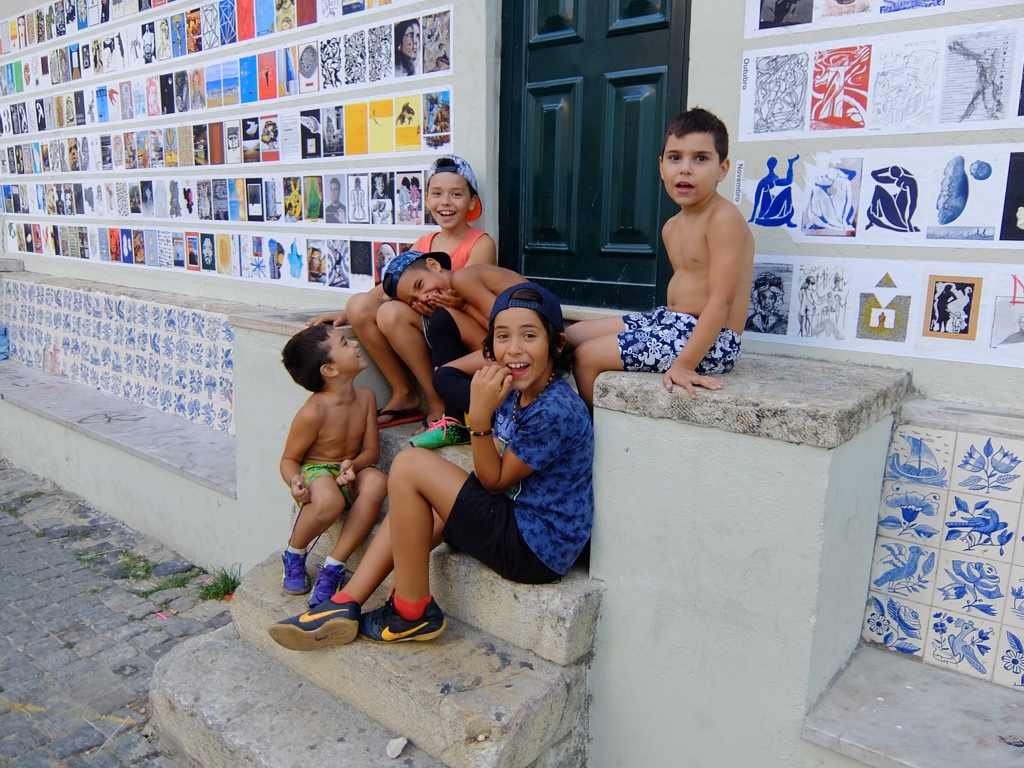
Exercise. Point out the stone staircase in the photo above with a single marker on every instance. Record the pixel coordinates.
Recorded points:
(503, 687)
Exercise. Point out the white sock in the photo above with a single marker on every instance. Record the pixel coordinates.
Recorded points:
(332, 561)
(295, 551)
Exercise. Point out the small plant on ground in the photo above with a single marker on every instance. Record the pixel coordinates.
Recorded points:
(12, 511)
(97, 590)
(135, 566)
(174, 582)
(39, 534)
(221, 583)
(79, 534)
(87, 558)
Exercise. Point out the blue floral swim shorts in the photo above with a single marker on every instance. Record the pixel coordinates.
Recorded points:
(652, 341)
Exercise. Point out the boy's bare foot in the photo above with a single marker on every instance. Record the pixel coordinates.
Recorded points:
(408, 402)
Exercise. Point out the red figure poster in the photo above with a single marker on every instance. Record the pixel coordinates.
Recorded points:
(840, 96)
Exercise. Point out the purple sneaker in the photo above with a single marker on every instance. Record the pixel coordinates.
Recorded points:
(330, 579)
(296, 580)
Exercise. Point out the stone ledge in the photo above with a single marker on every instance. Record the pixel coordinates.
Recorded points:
(888, 711)
(197, 453)
(286, 322)
(11, 265)
(784, 398)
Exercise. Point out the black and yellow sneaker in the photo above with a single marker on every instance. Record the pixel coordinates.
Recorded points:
(386, 625)
(327, 624)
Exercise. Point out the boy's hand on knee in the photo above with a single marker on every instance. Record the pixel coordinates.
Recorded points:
(299, 490)
(689, 378)
(347, 474)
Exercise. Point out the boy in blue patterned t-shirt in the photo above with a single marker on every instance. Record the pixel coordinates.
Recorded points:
(527, 510)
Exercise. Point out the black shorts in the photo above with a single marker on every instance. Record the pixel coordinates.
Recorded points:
(483, 524)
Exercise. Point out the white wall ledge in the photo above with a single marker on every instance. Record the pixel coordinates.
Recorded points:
(889, 711)
(784, 398)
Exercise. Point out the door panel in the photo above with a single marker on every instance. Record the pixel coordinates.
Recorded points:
(586, 89)
(552, 122)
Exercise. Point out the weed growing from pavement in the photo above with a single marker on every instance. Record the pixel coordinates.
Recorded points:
(12, 511)
(135, 566)
(97, 590)
(221, 583)
(88, 558)
(174, 582)
(79, 534)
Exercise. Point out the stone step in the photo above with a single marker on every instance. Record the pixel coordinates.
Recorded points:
(468, 698)
(281, 721)
(395, 439)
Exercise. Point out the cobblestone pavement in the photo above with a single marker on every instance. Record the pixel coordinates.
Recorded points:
(80, 630)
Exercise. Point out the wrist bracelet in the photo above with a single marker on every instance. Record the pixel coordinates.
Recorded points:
(485, 433)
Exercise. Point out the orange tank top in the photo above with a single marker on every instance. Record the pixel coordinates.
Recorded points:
(460, 253)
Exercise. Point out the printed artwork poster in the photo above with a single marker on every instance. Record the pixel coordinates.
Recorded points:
(953, 308)
(338, 269)
(197, 86)
(382, 126)
(780, 98)
(310, 133)
(333, 123)
(214, 86)
(270, 147)
(380, 47)
(839, 95)
(264, 12)
(966, 206)
(251, 139)
(358, 199)
(248, 79)
(436, 42)
(832, 204)
(193, 259)
(215, 142)
(309, 67)
(407, 123)
(822, 300)
(221, 205)
(211, 26)
(437, 120)
(207, 252)
(906, 82)
(770, 299)
(229, 79)
(305, 12)
(246, 20)
(165, 249)
(232, 141)
(382, 195)
(977, 75)
(316, 261)
(1012, 225)
(182, 91)
(225, 264)
(204, 199)
(1008, 323)
(200, 146)
(286, 15)
(228, 22)
(162, 29)
(409, 198)
(254, 199)
(292, 187)
(845, 7)
(178, 247)
(186, 148)
(179, 45)
(267, 63)
(273, 199)
(336, 202)
(287, 71)
(354, 44)
(312, 195)
(407, 48)
(193, 31)
(383, 254)
(784, 13)
(332, 62)
(138, 246)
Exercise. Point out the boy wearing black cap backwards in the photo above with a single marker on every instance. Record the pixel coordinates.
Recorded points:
(391, 333)
(462, 302)
(526, 512)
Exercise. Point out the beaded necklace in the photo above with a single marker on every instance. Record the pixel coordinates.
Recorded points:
(519, 395)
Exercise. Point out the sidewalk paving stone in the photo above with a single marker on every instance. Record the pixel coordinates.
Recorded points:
(78, 641)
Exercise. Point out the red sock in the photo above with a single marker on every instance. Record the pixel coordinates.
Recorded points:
(343, 597)
(409, 610)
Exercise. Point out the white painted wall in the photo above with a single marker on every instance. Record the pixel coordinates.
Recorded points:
(715, 61)
(734, 590)
(474, 79)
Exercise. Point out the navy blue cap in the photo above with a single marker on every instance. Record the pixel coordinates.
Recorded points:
(396, 268)
(548, 308)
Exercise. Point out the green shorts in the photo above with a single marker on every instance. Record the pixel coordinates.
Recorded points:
(311, 472)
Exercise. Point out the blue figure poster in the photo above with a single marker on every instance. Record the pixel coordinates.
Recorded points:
(894, 200)
(773, 200)
(832, 200)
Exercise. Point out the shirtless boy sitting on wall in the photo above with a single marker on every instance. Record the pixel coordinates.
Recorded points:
(712, 254)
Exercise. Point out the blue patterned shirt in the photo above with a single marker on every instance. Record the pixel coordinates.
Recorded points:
(554, 505)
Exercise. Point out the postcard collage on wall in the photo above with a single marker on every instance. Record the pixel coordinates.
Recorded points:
(127, 78)
(949, 195)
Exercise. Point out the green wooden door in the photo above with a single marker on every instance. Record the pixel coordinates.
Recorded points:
(587, 87)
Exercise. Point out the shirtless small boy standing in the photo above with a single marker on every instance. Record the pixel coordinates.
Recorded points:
(712, 254)
(329, 456)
